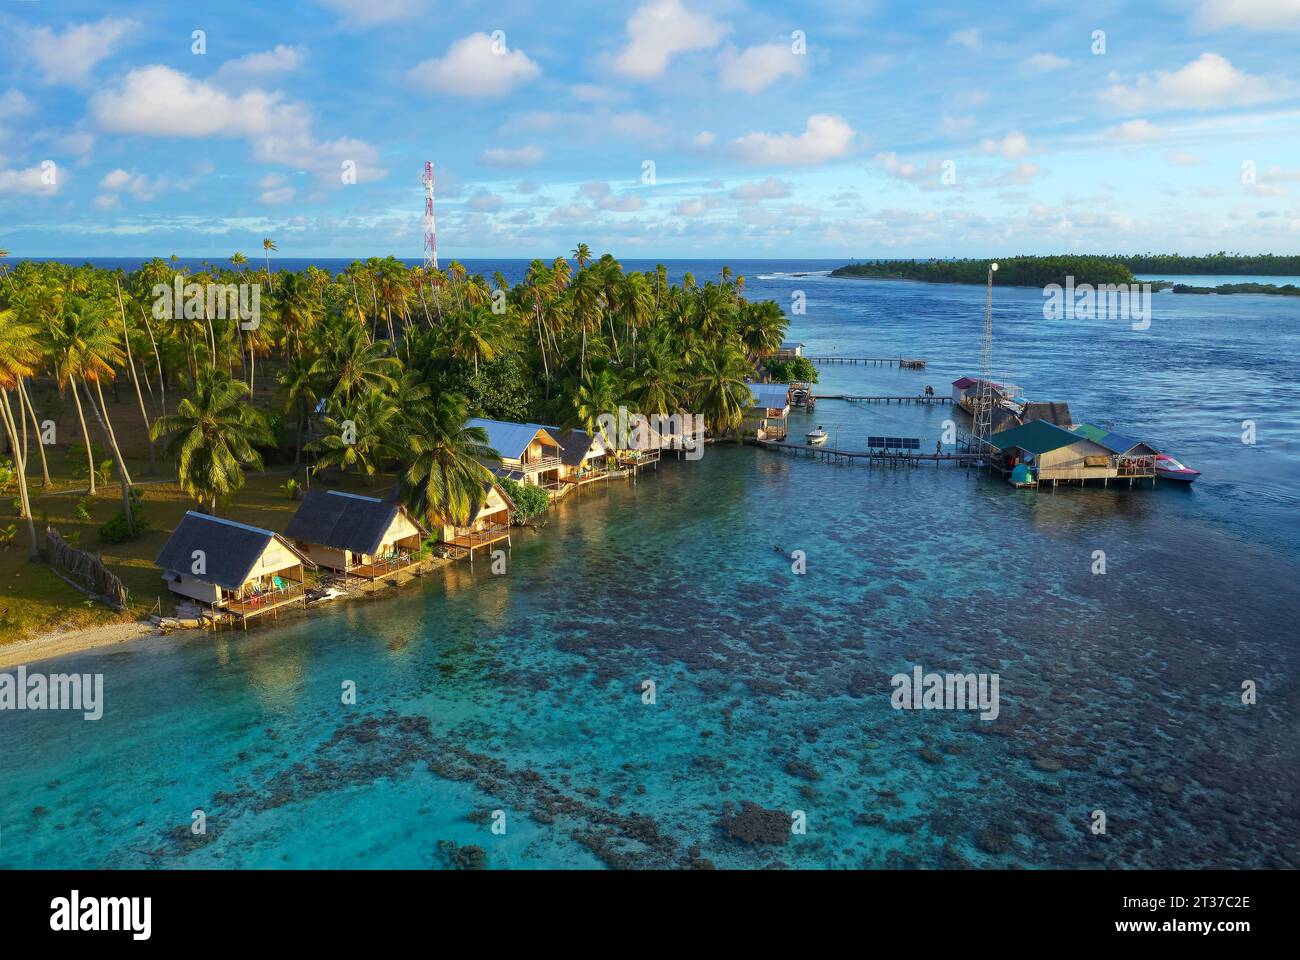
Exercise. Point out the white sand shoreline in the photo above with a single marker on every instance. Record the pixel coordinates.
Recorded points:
(60, 643)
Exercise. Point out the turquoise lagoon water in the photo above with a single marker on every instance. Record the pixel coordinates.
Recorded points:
(523, 693)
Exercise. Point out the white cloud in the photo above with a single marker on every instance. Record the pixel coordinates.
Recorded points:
(1182, 158)
(484, 201)
(658, 31)
(158, 101)
(757, 68)
(1251, 14)
(14, 104)
(1135, 130)
(275, 189)
(697, 207)
(370, 12)
(69, 56)
(969, 38)
(1014, 144)
(769, 189)
(825, 137)
(1045, 62)
(254, 67)
(951, 125)
(472, 67)
(1207, 83)
(511, 158)
(602, 194)
(30, 182)
(901, 169)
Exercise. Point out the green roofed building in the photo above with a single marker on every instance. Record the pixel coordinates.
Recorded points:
(1054, 454)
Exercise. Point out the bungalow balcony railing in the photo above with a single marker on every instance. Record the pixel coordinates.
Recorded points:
(384, 566)
(477, 536)
(540, 464)
(257, 601)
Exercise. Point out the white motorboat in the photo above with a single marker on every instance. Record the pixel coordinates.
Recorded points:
(817, 437)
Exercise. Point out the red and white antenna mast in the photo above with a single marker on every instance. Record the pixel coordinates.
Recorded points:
(430, 235)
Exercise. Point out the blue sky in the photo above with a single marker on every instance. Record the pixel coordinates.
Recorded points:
(669, 128)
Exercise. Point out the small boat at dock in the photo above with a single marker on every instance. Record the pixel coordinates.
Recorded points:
(817, 437)
(1167, 468)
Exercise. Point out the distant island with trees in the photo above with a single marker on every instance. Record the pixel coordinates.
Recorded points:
(1096, 269)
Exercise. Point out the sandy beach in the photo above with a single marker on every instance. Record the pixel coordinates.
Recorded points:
(57, 644)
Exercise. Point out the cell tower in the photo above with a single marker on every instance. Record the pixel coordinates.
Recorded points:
(430, 235)
(982, 428)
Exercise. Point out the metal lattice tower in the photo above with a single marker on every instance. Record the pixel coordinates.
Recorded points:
(430, 235)
(982, 427)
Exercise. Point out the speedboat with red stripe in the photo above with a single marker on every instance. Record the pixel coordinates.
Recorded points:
(1167, 468)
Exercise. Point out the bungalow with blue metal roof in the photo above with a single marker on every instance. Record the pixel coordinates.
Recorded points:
(530, 452)
(766, 416)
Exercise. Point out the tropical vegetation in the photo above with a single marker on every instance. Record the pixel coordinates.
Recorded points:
(368, 374)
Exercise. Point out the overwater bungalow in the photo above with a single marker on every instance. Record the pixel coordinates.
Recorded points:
(355, 535)
(490, 525)
(1052, 454)
(766, 416)
(233, 568)
(530, 452)
(1126, 448)
(587, 457)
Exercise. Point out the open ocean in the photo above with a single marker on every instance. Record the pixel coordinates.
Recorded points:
(523, 693)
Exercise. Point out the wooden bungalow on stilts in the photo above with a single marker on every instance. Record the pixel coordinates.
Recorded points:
(233, 568)
(355, 535)
(490, 525)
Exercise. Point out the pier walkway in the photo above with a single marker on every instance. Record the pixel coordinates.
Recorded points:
(852, 398)
(890, 458)
(903, 363)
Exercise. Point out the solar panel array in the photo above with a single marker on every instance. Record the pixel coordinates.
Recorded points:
(894, 443)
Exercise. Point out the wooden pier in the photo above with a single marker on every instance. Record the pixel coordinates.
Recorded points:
(918, 398)
(903, 363)
(889, 458)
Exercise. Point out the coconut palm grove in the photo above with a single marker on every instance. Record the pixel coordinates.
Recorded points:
(371, 372)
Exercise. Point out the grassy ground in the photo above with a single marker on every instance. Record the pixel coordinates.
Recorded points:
(34, 601)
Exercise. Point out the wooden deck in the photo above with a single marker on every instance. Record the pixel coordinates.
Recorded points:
(476, 539)
(247, 609)
(373, 571)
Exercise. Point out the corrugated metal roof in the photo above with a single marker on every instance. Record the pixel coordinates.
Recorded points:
(230, 549)
(770, 395)
(1091, 431)
(1037, 436)
(790, 344)
(510, 439)
(1053, 411)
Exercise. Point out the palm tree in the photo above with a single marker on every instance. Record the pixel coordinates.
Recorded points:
(81, 347)
(654, 388)
(301, 391)
(352, 362)
(582, 253)
(720, 392)
(19, 353)
(267, 246)
(445, 480)
(211, 438)
(362, 437)
(597, 395)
